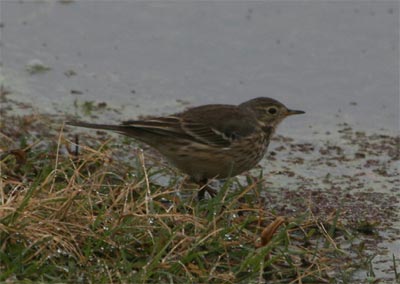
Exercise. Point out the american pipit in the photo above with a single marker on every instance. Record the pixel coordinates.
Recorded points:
(210, 141)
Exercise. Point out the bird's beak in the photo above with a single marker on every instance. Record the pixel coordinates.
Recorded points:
(292, 112)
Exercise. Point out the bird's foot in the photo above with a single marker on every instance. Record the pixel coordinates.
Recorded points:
(211, 191)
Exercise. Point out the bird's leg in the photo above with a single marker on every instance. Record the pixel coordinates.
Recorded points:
(205, 188)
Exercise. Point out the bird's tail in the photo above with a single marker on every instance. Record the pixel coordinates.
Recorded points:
(146, 131)
(132, 129)
(118, 128)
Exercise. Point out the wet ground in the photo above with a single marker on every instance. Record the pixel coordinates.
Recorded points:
(356, 177)
(338, 61)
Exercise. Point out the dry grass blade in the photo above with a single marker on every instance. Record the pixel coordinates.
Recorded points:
(269, 231)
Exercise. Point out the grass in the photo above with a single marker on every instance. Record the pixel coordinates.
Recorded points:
(100, 216)
(37, 67)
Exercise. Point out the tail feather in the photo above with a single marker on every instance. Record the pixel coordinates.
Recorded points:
(151, 132)
(118, 128)
(161, 126)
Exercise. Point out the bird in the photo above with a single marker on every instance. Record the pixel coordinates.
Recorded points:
(213, 141)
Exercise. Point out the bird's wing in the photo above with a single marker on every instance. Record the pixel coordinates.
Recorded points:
(217, 125)
(166, 126)
(213, 125)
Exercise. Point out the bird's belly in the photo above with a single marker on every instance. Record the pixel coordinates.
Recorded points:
(204, 162)
(200, 168)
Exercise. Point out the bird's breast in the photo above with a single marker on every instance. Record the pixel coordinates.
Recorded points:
(202, 161)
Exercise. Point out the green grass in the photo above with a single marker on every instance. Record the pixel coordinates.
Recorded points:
(101, 217)
(37, 67)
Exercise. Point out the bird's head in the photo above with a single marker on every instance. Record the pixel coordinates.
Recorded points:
(267, 111)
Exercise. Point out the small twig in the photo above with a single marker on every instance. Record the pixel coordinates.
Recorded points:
(57, 157)
(396, 275)
(76, 152)
(148, 191)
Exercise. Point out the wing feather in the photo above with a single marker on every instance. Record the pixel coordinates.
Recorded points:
(213, 125)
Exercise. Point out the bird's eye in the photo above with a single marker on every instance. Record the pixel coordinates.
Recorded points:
(272, 110)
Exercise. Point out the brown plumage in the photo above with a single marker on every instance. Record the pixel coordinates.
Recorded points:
(210, 141)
